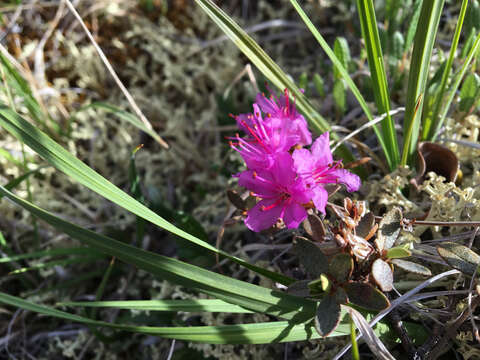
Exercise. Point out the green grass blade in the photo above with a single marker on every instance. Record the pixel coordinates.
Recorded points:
(418, 75)
(432, 124)
(269, 68)
(77, 170)
(237, 292)
(376, 65)
(47, 253)
(343, 72)
(261, 333)
(456, 83)
(22, 89)
(202, 305)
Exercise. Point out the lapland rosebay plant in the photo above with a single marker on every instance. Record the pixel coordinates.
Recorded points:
(286, 177)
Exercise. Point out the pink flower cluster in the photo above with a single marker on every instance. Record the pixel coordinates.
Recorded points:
(283, 175)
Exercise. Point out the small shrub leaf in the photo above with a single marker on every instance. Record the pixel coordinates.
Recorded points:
(459, 257)
(328, 316)
(383, 275)
(299, 288)
(366, 296)
(389, 229)
(398, 252)
(341, 267)
(310, 256)
(365, 225)
(412, 267)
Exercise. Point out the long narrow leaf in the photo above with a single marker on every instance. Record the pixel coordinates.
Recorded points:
(418, 75)
(456, 83)
(47, 253)
(432, 124)
(76, 169)
(237, 292)
(261, 333)
(202, 305)
(368, 21)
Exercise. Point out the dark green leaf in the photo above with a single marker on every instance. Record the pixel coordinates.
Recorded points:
(310, 256)
(411, 267)
(341, 267)
(366, 296)
(459, 257)
(299, 288)
(365, 225)
(328, 316)
(389, 229)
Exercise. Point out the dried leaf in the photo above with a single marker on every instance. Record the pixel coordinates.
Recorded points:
(373, 342)
(310, 256)
(412, 267)
(341, 267)
(299, 288)
(328, 316)
(383, 275)
(365, 225)
(459, 257)
(437, 158)
(314, 227)
(398, 252)
(366, 296)
(389, 229)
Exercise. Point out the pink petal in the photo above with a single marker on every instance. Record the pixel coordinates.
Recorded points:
(259, 219)
(320, 198)
(299, 192)
(283, 170)
(321, 150)
(351, 181)
(302, 131)
(258, 162)
(267, 105)
(261, 183)
(303, 161)
(294, 215)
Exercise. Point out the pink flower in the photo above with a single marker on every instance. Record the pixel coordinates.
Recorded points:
(263, 142)
(282, 113)
(316, 167)
(282, 194)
